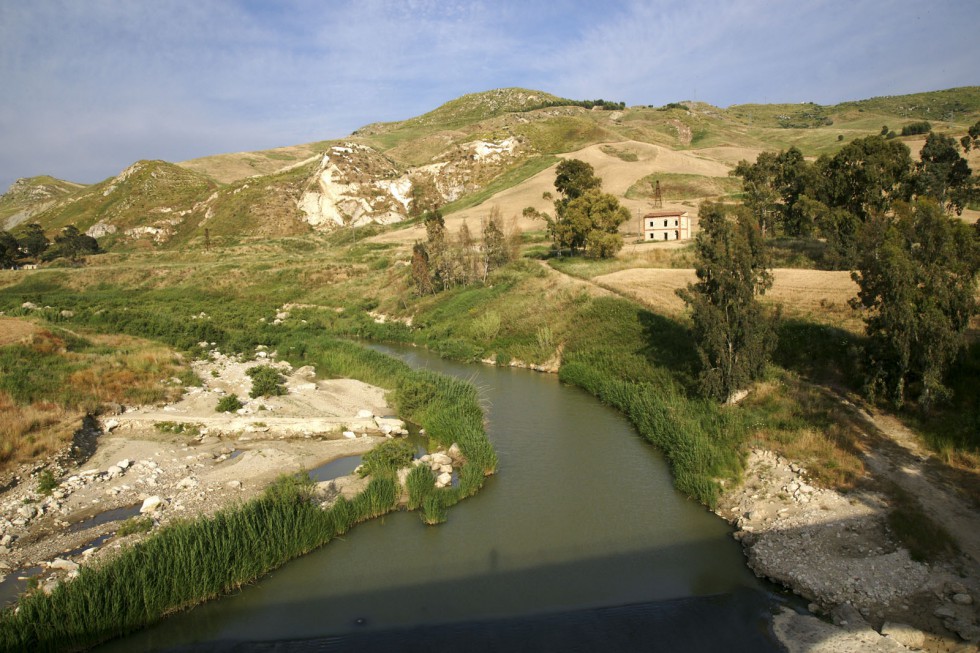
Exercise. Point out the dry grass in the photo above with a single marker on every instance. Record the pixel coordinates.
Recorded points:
(14, 330)
(816, 295)
(806, 423)
(105, 369)
(39, 429)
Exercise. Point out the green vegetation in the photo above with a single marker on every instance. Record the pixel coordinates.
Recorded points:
(266, 382)
(585, 218)
(387, 458)
(918, 282)
(134, 525)
(916, 128)
(732, 332)
(178, 428)
(228, 404)
(46, 482)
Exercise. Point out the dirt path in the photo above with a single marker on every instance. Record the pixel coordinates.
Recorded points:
(900, 458)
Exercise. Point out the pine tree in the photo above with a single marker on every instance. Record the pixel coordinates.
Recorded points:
(732, 331)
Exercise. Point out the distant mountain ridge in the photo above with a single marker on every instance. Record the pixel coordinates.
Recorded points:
(454, 152)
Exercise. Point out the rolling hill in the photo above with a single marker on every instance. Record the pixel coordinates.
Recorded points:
(495, 147)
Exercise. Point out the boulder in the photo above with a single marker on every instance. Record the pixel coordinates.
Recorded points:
(444, 480)
(235, 485)
(123, 464)
(114, 470)
(110, 424)
(364, 414)
(455, 452)
(962, 599)
(61, 563)
(905, 635)
(441, 459)
(151, 504)
(350, 435)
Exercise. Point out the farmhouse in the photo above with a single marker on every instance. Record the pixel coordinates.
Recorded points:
(665, 225)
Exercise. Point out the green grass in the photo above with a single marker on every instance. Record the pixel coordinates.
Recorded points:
(676, 187)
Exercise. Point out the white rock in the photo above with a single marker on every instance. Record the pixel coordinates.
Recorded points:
(350, 435)
(110, 424)
(61, 563)
(235, 485)
(364, 414)
(151, 504)
(186, 483)
(455, 452)
(441, 459)
(444, 480)
(114, 470)
(123, 464)
(87, 553)
(27, 512)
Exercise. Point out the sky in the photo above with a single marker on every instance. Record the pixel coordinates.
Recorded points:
(90, 86)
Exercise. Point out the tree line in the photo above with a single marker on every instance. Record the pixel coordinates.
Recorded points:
(887, 219)
(33, 245)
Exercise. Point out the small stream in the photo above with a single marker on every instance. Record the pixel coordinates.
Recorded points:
(579, 543)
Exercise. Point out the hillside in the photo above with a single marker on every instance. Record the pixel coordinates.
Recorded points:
(29, 196)
(496, 146)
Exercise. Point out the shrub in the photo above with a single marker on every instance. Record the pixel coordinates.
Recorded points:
(135, 525)
(266, 382)
(46, 482)
(228, 404)
(387, 458)
(915, 128)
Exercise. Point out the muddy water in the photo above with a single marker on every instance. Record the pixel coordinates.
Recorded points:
(579, 542)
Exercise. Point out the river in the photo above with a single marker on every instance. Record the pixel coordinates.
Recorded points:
(580, 542)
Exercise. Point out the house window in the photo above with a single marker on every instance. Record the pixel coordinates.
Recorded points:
(665, 235)
(665, 223)
(677, 235)
(675, 223)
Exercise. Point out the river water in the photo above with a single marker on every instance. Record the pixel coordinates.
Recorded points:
(580, 542)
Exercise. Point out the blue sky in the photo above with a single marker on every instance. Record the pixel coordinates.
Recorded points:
(89, 86)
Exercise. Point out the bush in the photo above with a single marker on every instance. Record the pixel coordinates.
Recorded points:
(46, 482)
(387, 458)
(266, 382)
(228, 404)
(915, 128)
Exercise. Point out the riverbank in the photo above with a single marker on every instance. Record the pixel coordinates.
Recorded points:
(838, 551)
(157, 464)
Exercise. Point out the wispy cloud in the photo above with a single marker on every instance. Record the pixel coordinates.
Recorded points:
(90, 87)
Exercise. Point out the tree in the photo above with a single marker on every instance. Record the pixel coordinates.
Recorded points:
(774, 185)
(732, 332)
(972, 138)
(9, 250)
(585, 217)
(495, 251)
(574, 178)
(917, 276)
(34, 242)
(942, 173)
(865, 177)
(421, 271)
(592, 223)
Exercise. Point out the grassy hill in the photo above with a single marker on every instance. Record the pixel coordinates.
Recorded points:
(255, 194)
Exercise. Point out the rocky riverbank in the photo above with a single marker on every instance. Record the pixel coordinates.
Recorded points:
(837, 551)
(154, 464)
